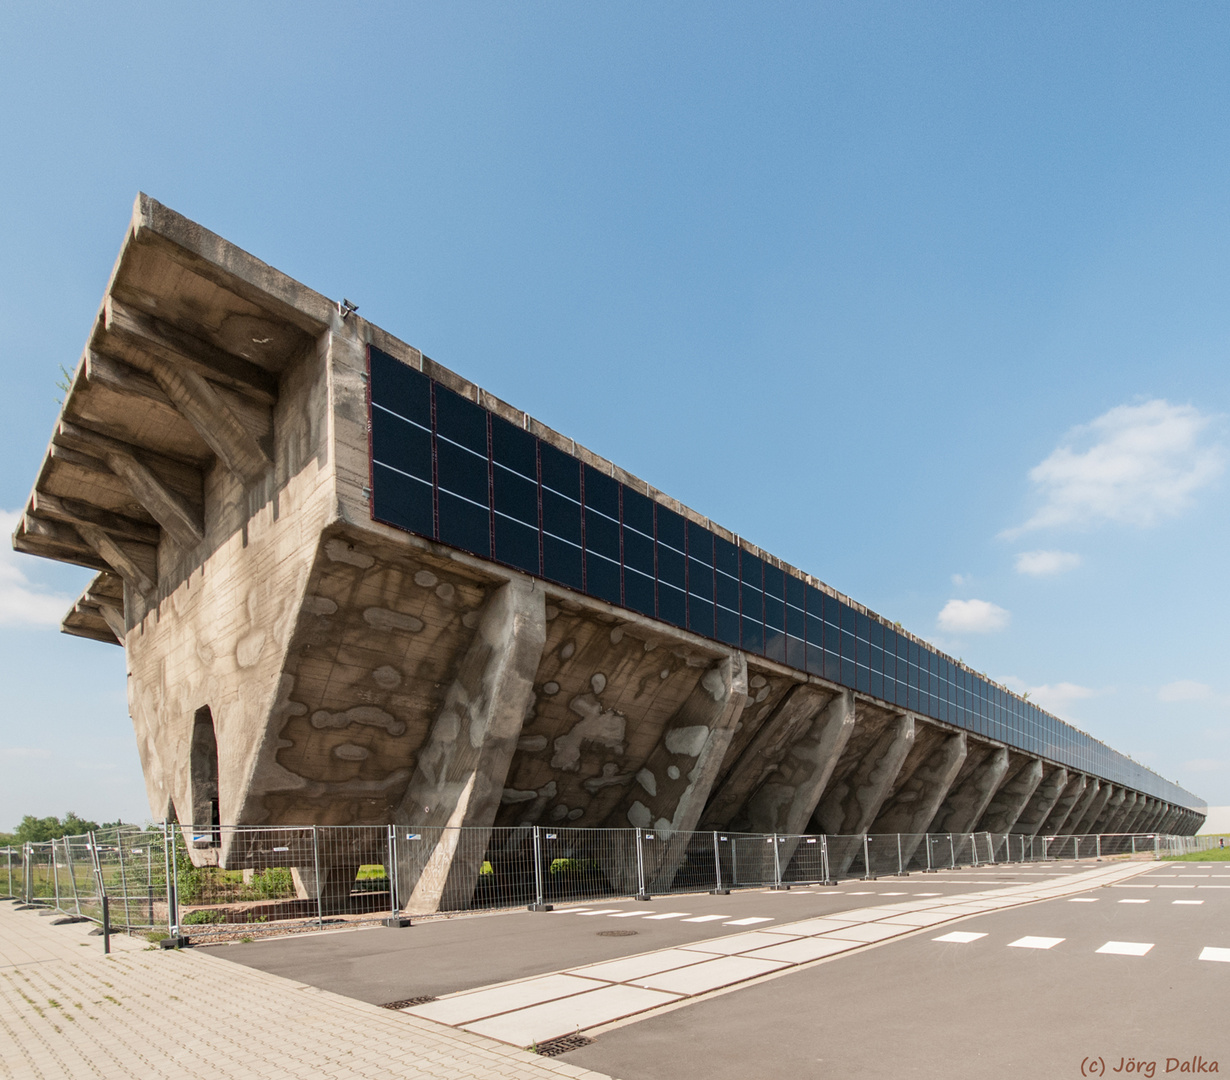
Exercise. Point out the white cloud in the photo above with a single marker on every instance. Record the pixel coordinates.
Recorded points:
(1185, 690)
(1058, 697)
(972, 617)
(1046, 563)
(21, 602)
(1135, 464)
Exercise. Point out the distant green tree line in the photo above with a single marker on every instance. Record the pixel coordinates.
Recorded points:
(36, 830)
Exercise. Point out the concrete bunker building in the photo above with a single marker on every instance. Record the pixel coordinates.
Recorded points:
(354, 588)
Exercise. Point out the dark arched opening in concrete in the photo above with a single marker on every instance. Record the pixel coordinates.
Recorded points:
(206, 820)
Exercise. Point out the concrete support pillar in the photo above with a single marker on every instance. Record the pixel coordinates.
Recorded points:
(971, 794)
(849, 807)
(1111, 811)
(1160, 811)
(460, 772)
(1094, 813)
(1062, 810)
(1152, 812)
(914, 804)
(1146, 810)
(1011, 798)
(778, 780)
(1043, 802)
(1126, 810)
(677, 777)
(1087, 799)
(1170, 822)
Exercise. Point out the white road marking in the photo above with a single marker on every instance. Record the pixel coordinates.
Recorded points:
(705, 918)
(1133, 901)
(599, 911)
(668, 915)
(748, 922)
(1187, 901)
(629, 914)
(1085, 900)
(961, 937)
(928, 894)
(1035, 943)
(1126, 948)
(1210, 953)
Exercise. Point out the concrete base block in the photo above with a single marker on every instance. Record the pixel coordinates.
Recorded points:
(642, 896)
(180, 942)
(397, 922)
(719, 892)
(779, 888)
(539, 907)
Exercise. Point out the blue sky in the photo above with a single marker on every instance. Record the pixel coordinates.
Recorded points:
(929, 300)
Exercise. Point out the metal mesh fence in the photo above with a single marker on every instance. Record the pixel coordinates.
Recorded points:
(237, 881)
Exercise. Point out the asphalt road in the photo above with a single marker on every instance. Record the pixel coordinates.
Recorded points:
(920, 1008)
(437, 957)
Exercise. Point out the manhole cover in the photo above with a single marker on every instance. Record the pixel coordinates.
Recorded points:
(618, 933)
(407, 1002)
(555, 1047)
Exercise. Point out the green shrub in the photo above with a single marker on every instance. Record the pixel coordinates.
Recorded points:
(196, 918)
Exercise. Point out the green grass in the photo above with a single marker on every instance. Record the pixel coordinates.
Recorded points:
(1213, 855)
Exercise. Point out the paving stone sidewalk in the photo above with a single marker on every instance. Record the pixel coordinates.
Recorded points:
(67, 1012)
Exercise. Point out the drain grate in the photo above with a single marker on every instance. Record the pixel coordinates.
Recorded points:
(407, 1002)
(555, 1047)
(618, 933)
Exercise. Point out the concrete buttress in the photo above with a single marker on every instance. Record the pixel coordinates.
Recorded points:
(1111, 810)
(1062, 810)
(848, 808)
(913, 805)
(1088, 797)
(1096, 805)
(674, 783)
(970, 796)
(1039, 808)
(1011, 797)
(459, 776)
(1127, 809)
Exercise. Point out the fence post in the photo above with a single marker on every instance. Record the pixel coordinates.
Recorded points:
(777, 867)
(973, 847)
(390, 869)
(952, 853)
(539, 903)
(106, 924)
(168, 856)
(55, 875)
(1156, 854)
(1098, 839)
(1133, 845)
(867, 874)
(119, 848)
(149, 877)
(320, 915)
(1076, 849)
(640, 868)
(824, 860)
(98, 878)
(927, 841)
(717, 868)
(900, 868)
